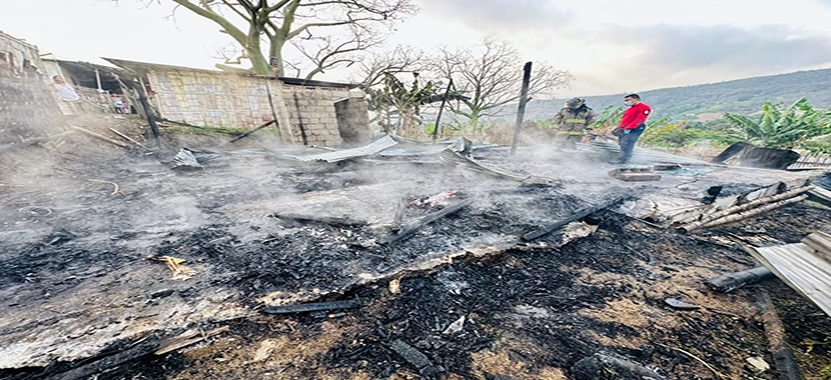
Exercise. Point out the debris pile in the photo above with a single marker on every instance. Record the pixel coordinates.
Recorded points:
(453, 260)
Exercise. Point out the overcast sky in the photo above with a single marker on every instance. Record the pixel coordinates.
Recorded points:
(609, 46)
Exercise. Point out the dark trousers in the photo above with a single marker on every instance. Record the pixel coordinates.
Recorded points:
(627, 142)
(564, 141)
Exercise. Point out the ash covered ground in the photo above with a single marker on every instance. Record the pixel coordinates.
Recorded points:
(78, 287)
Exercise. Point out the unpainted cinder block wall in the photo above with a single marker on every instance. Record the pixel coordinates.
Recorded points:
(307, 114)
(206, 98)
(312, 113)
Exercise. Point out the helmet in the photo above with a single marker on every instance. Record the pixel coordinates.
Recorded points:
(575, 103)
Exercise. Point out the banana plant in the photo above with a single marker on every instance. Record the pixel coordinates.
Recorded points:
(786, 128)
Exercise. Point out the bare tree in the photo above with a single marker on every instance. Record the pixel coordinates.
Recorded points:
(403, 59)
(491, 76)
(276, 23)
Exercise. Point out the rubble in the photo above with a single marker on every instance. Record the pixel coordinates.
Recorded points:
(634, 174)
(576, 216)
(455, 290)
(681, 305)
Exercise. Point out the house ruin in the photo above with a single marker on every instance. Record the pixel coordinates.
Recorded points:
(307, 112)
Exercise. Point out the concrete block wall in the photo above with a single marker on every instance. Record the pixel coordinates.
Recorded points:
(312, 113)
(211, 98)
(306, 114)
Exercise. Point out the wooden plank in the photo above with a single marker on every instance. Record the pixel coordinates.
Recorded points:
(783, 356)
(130, 139)
(99, 136)
(332, 220)
(307, 307)
(580, 214)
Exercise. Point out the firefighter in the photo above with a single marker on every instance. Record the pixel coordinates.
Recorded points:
(572, 122)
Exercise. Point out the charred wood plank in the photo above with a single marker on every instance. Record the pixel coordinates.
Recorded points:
(331, 220)
(582, 213)
(411, 228)
(307, 307)
(731, 281)
(398, 217)
(108, 361)
(415, 358)
(246, 134)
(783, 357)
(186, 339)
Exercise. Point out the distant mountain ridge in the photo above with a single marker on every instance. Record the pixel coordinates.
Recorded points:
(697, 102)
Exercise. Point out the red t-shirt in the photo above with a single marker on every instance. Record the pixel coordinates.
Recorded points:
(635, 116)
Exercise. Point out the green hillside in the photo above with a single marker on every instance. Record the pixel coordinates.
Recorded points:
(742, 96)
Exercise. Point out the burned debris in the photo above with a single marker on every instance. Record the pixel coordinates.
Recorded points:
(391, 258)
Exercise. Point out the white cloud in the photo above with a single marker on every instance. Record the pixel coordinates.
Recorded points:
(610, 45)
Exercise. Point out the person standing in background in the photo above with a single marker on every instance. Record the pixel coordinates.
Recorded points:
(118, 103)
(631, 126)
(70, 100)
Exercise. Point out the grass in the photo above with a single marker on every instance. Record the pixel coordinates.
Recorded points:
(212, 130)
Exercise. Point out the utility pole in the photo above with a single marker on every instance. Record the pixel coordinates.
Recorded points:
(523, 99)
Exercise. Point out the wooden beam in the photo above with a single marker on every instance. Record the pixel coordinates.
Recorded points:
(99, 136)
(307, 307)
(523, 99)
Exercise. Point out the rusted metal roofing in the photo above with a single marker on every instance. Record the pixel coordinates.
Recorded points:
(805, 266)
(340, 155)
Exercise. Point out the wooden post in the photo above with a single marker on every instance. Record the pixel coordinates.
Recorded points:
(300, 120)
(98, 79)
(441, 108)
(148, 112)
(523, 99)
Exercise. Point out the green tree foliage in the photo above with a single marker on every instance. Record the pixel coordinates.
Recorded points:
(783, 128)
(400, 101)
(681, 135)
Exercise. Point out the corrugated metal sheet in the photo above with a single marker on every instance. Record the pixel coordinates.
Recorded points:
(803, 268)
(812, 161)
(452, 157)
(346, 154)
(820, 195)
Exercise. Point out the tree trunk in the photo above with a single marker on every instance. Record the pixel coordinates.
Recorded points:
(258, 61)
(276, 54)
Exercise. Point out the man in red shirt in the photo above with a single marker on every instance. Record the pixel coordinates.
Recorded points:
(631, 126)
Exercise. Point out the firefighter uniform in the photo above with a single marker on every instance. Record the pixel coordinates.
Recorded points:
(571, 123)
